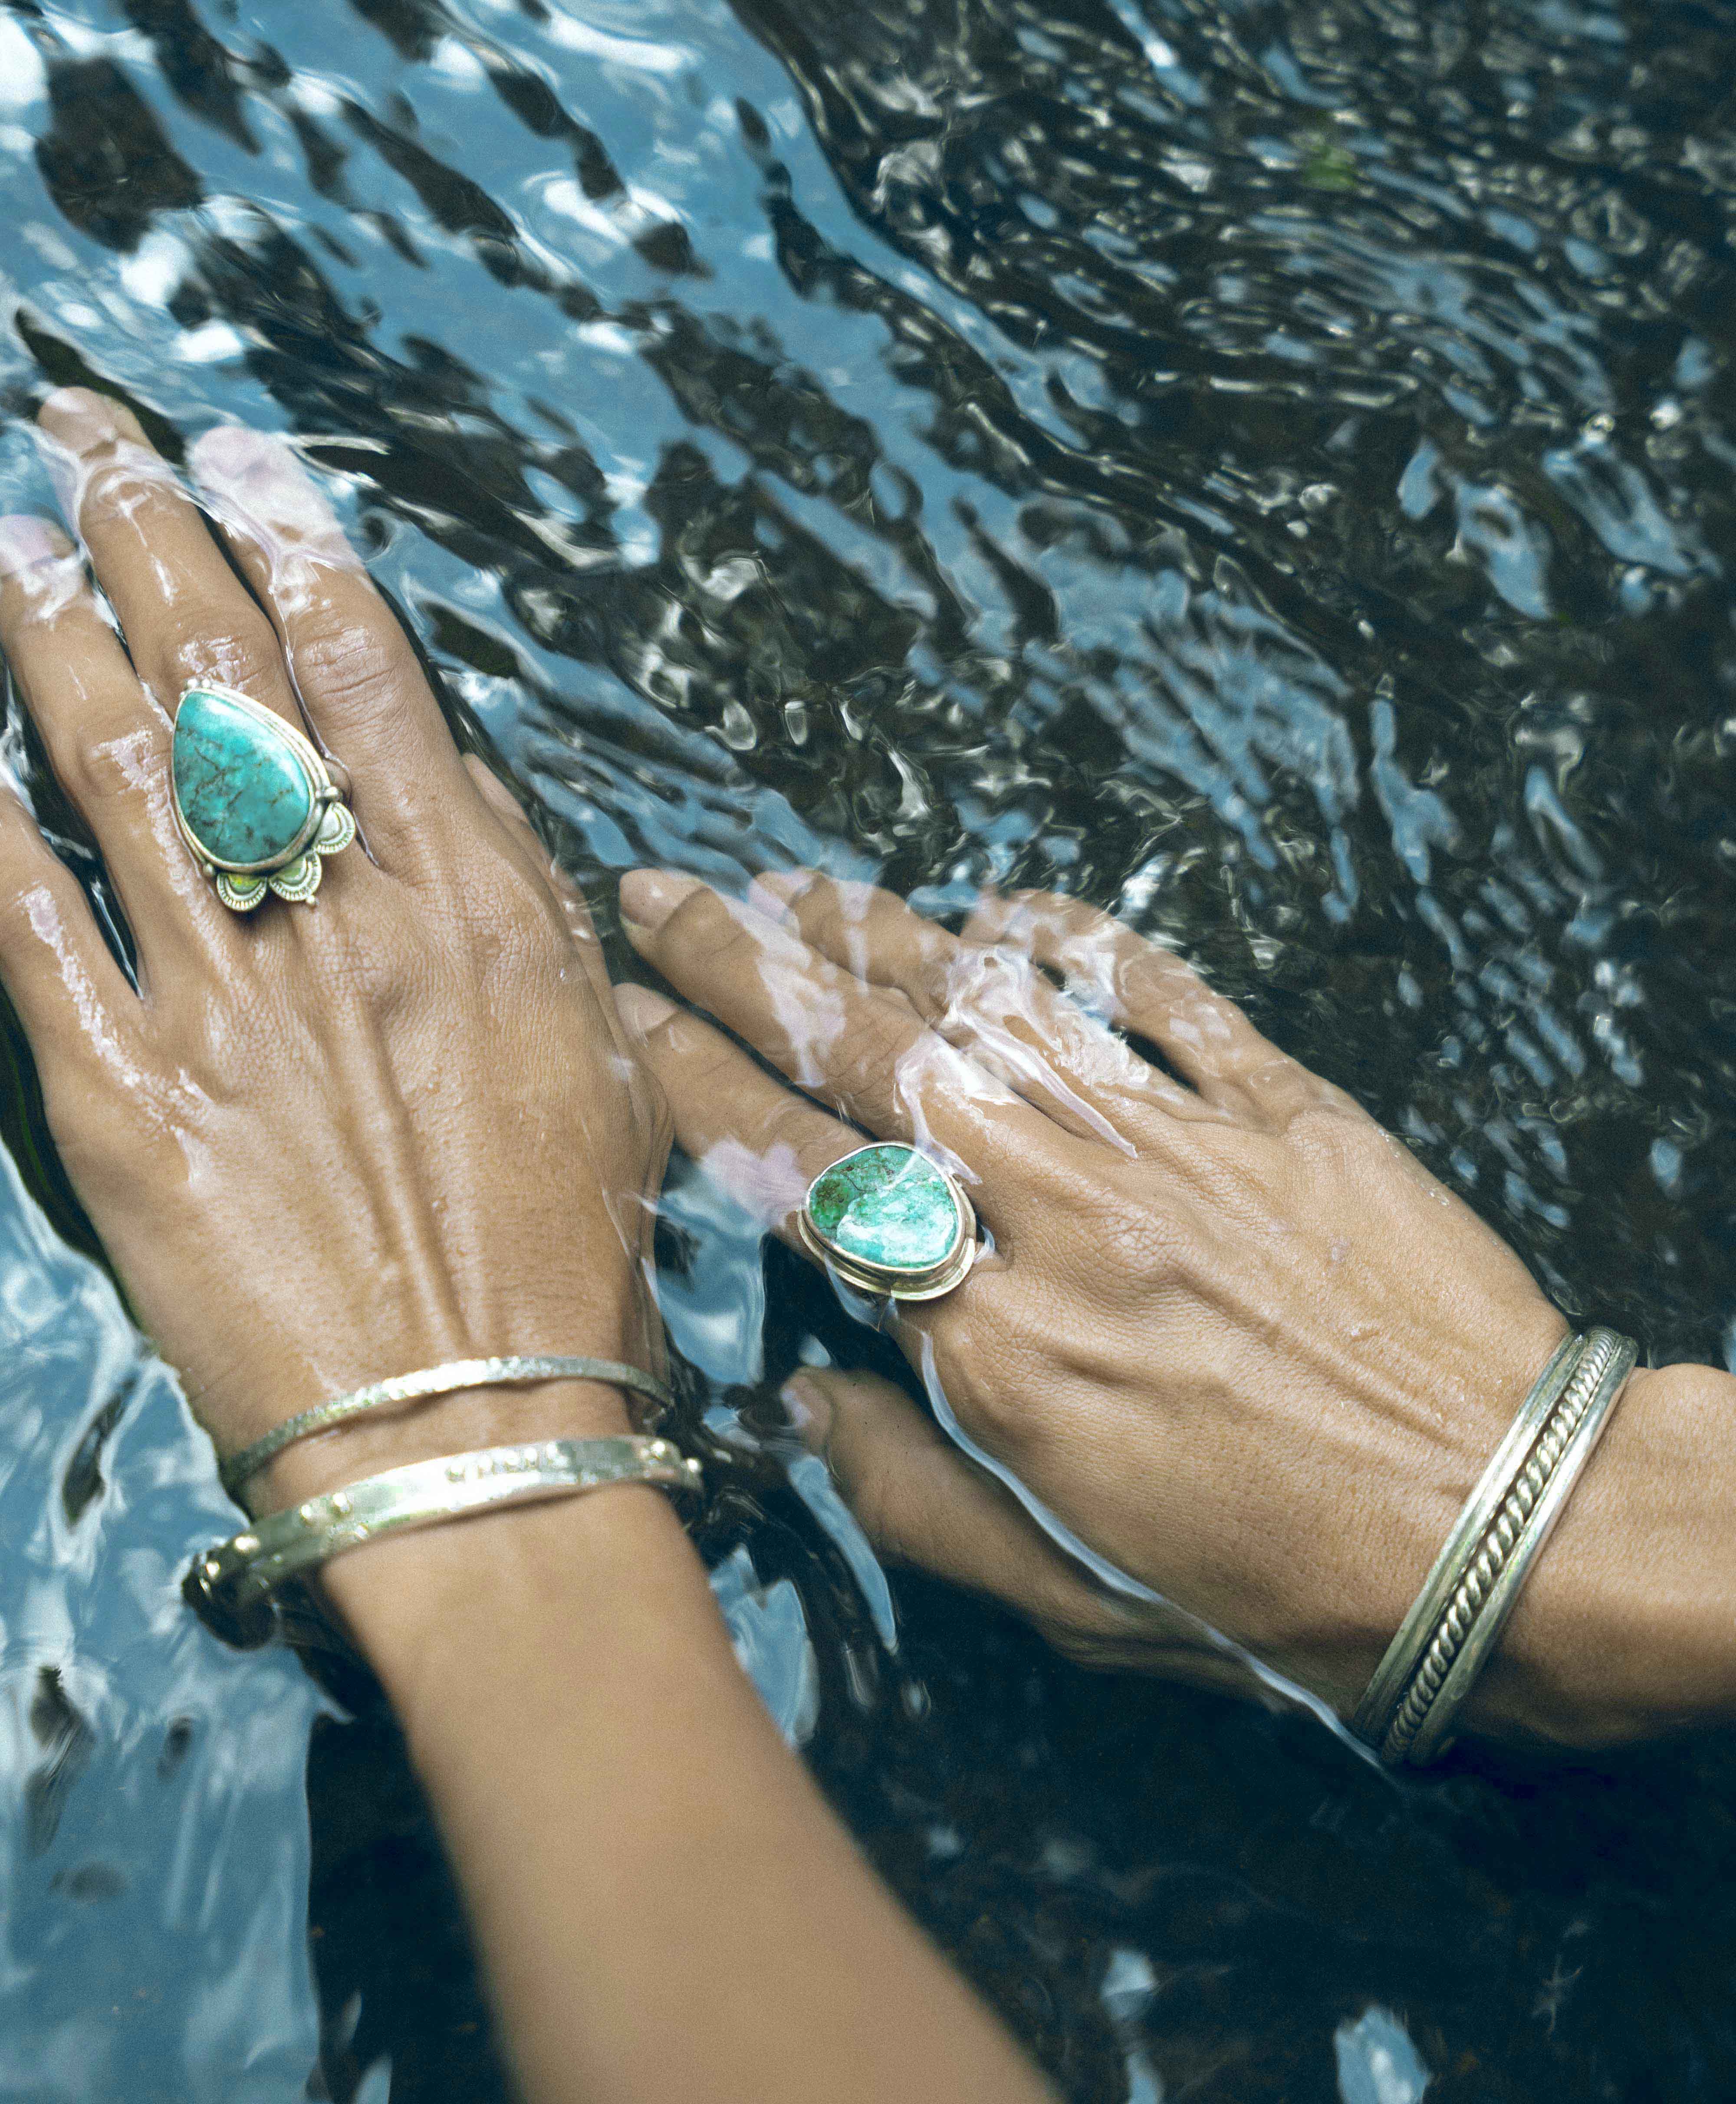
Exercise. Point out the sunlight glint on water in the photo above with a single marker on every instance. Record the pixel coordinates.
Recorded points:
(1266, 467)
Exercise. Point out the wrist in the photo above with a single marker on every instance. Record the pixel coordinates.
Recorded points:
(563, 1572)
(1627, 1628)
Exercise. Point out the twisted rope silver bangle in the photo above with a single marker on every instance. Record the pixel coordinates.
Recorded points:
(450, 1379)
(238, 1576)
(1431, 1664)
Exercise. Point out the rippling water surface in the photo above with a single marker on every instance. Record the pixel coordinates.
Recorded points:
(1266, 467)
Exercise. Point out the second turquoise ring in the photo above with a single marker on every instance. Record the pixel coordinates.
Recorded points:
(891, 1222)
(255, 802)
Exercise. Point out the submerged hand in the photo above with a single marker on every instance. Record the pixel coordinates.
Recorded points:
(323, 1144)
(401, 1126)
(1231, 1334)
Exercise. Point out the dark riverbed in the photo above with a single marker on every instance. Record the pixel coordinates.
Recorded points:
(1264, 467)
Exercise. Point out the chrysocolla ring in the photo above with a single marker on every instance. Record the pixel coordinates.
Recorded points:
(252, 798)
(891, 1222)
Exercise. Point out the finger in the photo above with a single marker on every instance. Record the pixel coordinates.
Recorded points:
(990, 1001)
(857, 1048)
(919, 1500)
(1138, 986)
(186, 617)
(506, 807)
(763, 1142)
(69, 992)
(352, 664)
(107, 741)
(528, 842)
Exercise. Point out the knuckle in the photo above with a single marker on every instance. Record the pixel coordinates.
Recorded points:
(830, 914)
(104, 770)
(704, 943)
(992, 1362)
(240, 654)
(1323, 1133)
(956, 980)
(513, 924)
(1147, 1249)
(344, 663)
(473, 922)
(705, 921)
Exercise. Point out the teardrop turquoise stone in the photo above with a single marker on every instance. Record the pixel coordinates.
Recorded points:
(242, 788)
(887, 1205)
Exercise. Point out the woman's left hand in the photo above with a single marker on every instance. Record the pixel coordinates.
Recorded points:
(1231, 1333)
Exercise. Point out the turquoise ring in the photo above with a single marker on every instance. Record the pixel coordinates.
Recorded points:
(254, 801)
(891, 1222)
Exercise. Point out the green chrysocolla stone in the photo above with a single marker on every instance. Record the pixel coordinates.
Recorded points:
(243, 792)
(887, 1205)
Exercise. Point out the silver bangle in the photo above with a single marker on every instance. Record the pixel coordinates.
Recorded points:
(450, 1379)
(238, 1575)
(1445, 1640)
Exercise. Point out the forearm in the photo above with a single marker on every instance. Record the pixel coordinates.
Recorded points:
(1627, 1628)
(665, 1907)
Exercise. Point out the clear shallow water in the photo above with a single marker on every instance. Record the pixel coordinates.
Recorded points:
(1266, 467)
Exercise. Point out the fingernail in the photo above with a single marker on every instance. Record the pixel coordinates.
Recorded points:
(80, 417)
(25, 542)
(232, 451)
(641, 1010)
(649, 896)
(809, 1409)
(257, 478)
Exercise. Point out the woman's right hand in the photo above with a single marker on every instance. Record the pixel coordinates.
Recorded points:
(1232, 1334)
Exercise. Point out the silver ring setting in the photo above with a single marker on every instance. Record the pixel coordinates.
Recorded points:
(890, 1222)
(255, 802)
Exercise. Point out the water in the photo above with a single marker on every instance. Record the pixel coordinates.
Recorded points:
(1265, 466)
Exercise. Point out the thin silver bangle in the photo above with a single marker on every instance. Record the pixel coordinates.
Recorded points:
(1457, 1618)
(238, 1576)
(450, 1379)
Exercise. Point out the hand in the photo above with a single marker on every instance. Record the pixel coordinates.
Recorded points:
(326, 1144)
(402, 1127)
(1231, 1333)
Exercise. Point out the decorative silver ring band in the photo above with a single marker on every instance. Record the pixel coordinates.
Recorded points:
(1451, 1629)
(513, 1370)
(238, 1576)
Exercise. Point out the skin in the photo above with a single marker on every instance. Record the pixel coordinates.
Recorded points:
(1229, 1332)
(401, 1125)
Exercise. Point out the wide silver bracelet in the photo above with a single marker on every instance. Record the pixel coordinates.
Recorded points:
(450, 1379)
(238, 1576)
(1446, 1639)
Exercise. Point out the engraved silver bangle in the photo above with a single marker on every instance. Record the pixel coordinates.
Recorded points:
(450, 1379)
(238, 1576)
(1446, 1639)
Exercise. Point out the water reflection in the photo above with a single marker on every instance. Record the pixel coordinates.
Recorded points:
(1266, 467)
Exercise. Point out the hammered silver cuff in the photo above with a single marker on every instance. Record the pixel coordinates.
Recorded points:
(238, 1576)
(451, 1378)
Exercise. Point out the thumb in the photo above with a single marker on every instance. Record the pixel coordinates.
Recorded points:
(919, 1500)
